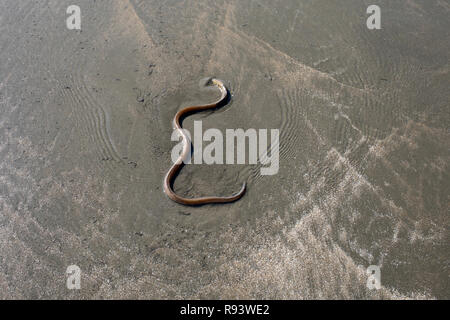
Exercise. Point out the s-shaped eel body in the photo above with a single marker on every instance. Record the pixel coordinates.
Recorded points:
(168, 180)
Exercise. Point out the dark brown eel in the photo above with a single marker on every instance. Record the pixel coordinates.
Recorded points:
(171, 174)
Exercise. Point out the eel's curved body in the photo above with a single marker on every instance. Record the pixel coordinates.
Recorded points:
(168, 180)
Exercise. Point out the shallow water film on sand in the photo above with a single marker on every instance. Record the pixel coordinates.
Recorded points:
(359, 206)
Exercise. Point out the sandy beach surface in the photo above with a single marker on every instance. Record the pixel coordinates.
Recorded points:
(85, 127)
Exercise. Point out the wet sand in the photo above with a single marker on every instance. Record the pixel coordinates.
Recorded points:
(85, 126)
